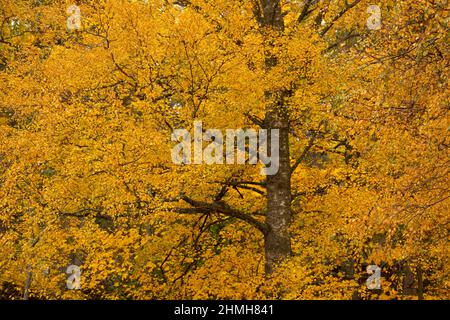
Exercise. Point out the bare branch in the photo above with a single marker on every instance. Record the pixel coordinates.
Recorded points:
(220, 207)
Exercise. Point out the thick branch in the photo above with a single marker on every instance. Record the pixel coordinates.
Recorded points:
(305, 11)
(220, 207)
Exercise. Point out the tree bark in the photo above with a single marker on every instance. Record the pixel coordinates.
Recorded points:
(26, 290)
(419, 283)
(409, 283)
(278, 218)
(277, 240)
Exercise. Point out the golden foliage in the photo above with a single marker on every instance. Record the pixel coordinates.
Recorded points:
(85, 168)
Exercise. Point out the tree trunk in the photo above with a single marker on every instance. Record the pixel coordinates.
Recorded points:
(419, 283)
(26, 290)
(277, 240)
(278, 217)
(409, 283)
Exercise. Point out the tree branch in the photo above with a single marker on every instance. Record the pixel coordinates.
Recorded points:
(304, 153)
(305, 11)
(336, 18)
(220, 207)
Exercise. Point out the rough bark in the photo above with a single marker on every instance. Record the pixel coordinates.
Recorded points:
(277, 240)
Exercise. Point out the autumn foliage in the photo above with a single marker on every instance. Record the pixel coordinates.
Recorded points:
(87, 179)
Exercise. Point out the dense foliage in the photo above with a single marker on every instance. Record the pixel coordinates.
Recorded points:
(86, 175)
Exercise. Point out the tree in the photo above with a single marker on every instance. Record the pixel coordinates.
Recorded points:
(87, 178)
